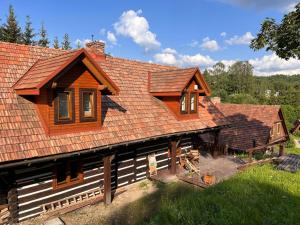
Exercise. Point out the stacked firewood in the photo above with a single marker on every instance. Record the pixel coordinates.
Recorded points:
(4, 214)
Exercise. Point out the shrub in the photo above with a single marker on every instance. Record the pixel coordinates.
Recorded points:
(290, 143)
(297, 133)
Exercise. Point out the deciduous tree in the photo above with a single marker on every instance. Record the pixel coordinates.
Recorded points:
(282, 38)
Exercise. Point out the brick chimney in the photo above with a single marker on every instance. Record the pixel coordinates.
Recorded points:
(96, 49)
(216, 100)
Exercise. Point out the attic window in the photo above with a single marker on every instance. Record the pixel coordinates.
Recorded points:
(193, 102)
(183, 103)
(278, 128)
(88, 105)
(64, 106)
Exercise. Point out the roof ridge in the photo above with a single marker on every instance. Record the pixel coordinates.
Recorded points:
(248, 104)
(139, 61)
(171, 70)
(63, 53)
(31, 46)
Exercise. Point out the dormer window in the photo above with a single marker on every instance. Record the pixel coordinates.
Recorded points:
(193, 102)
(64, 106)
(183, 104)
(88, 105)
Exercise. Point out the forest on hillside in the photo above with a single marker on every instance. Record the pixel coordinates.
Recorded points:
(237, 84)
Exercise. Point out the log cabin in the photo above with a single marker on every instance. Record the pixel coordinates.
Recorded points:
(78, 126)
(253, 127)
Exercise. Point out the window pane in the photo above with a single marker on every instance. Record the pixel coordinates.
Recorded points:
(192, 102)
(63, 99)
(88, 98)
(183, 103)
(61, 173)
(74, 170)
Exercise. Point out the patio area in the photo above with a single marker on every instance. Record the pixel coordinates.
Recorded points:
(220, 169)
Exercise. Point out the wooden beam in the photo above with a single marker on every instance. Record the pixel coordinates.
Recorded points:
(281, 150)
(12, 199)
(107, 179)
(173, 147)
(98, 75)
(216, 143)
(28, 91)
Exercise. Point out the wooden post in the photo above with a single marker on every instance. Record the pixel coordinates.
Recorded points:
(216, 143)
(107, 179)
(12, 198)
(250, 154)
(173, 147)
(281, 150)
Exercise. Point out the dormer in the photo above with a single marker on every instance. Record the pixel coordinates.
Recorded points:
(179, 89)
(67, 90)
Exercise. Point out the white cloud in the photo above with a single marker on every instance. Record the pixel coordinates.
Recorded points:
(261, 4)
(194, 43)
(223, 34)
(289, 8)
(240, 40)
(132, 24)
(210, 45)
(102, 31)
(263, 66)
(196, 60)
(272, 64)
(167, 57)
(82, 43)
(111, 37)
(170, 57)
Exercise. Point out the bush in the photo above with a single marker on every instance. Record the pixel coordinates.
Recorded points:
(297, 133)
(290, 143)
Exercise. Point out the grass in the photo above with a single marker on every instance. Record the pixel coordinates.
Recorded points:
(259, 195)
(294, 149)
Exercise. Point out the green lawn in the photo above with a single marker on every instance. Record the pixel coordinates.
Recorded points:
(259, 195)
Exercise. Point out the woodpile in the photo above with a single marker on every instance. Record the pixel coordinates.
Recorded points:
(4, 214)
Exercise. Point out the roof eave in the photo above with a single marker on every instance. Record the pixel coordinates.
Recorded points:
(31, 91)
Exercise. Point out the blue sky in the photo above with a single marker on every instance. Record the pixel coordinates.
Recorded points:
(176, 32)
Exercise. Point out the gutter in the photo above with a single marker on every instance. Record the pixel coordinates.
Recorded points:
(102, 148)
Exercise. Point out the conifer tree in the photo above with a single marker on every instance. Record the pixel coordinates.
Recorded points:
(11, 31)
(55, 43)
(1, 36)
(28, 34)
(43, 41)
(66, 44)
(78, 44)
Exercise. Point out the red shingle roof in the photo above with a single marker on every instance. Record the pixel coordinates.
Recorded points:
(46, 69)
(174, 80)
(171, 80)
(131, 115)
(248, 123)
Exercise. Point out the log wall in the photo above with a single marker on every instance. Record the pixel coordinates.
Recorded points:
(34, 183)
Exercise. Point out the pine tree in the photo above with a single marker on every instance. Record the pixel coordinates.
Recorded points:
(66, 44)
(78, 44)
(28, 34)
(55, 43)
(43, 41)
(10, 31)
(1, 32)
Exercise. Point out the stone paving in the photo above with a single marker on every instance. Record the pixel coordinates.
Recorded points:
(222, 167)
